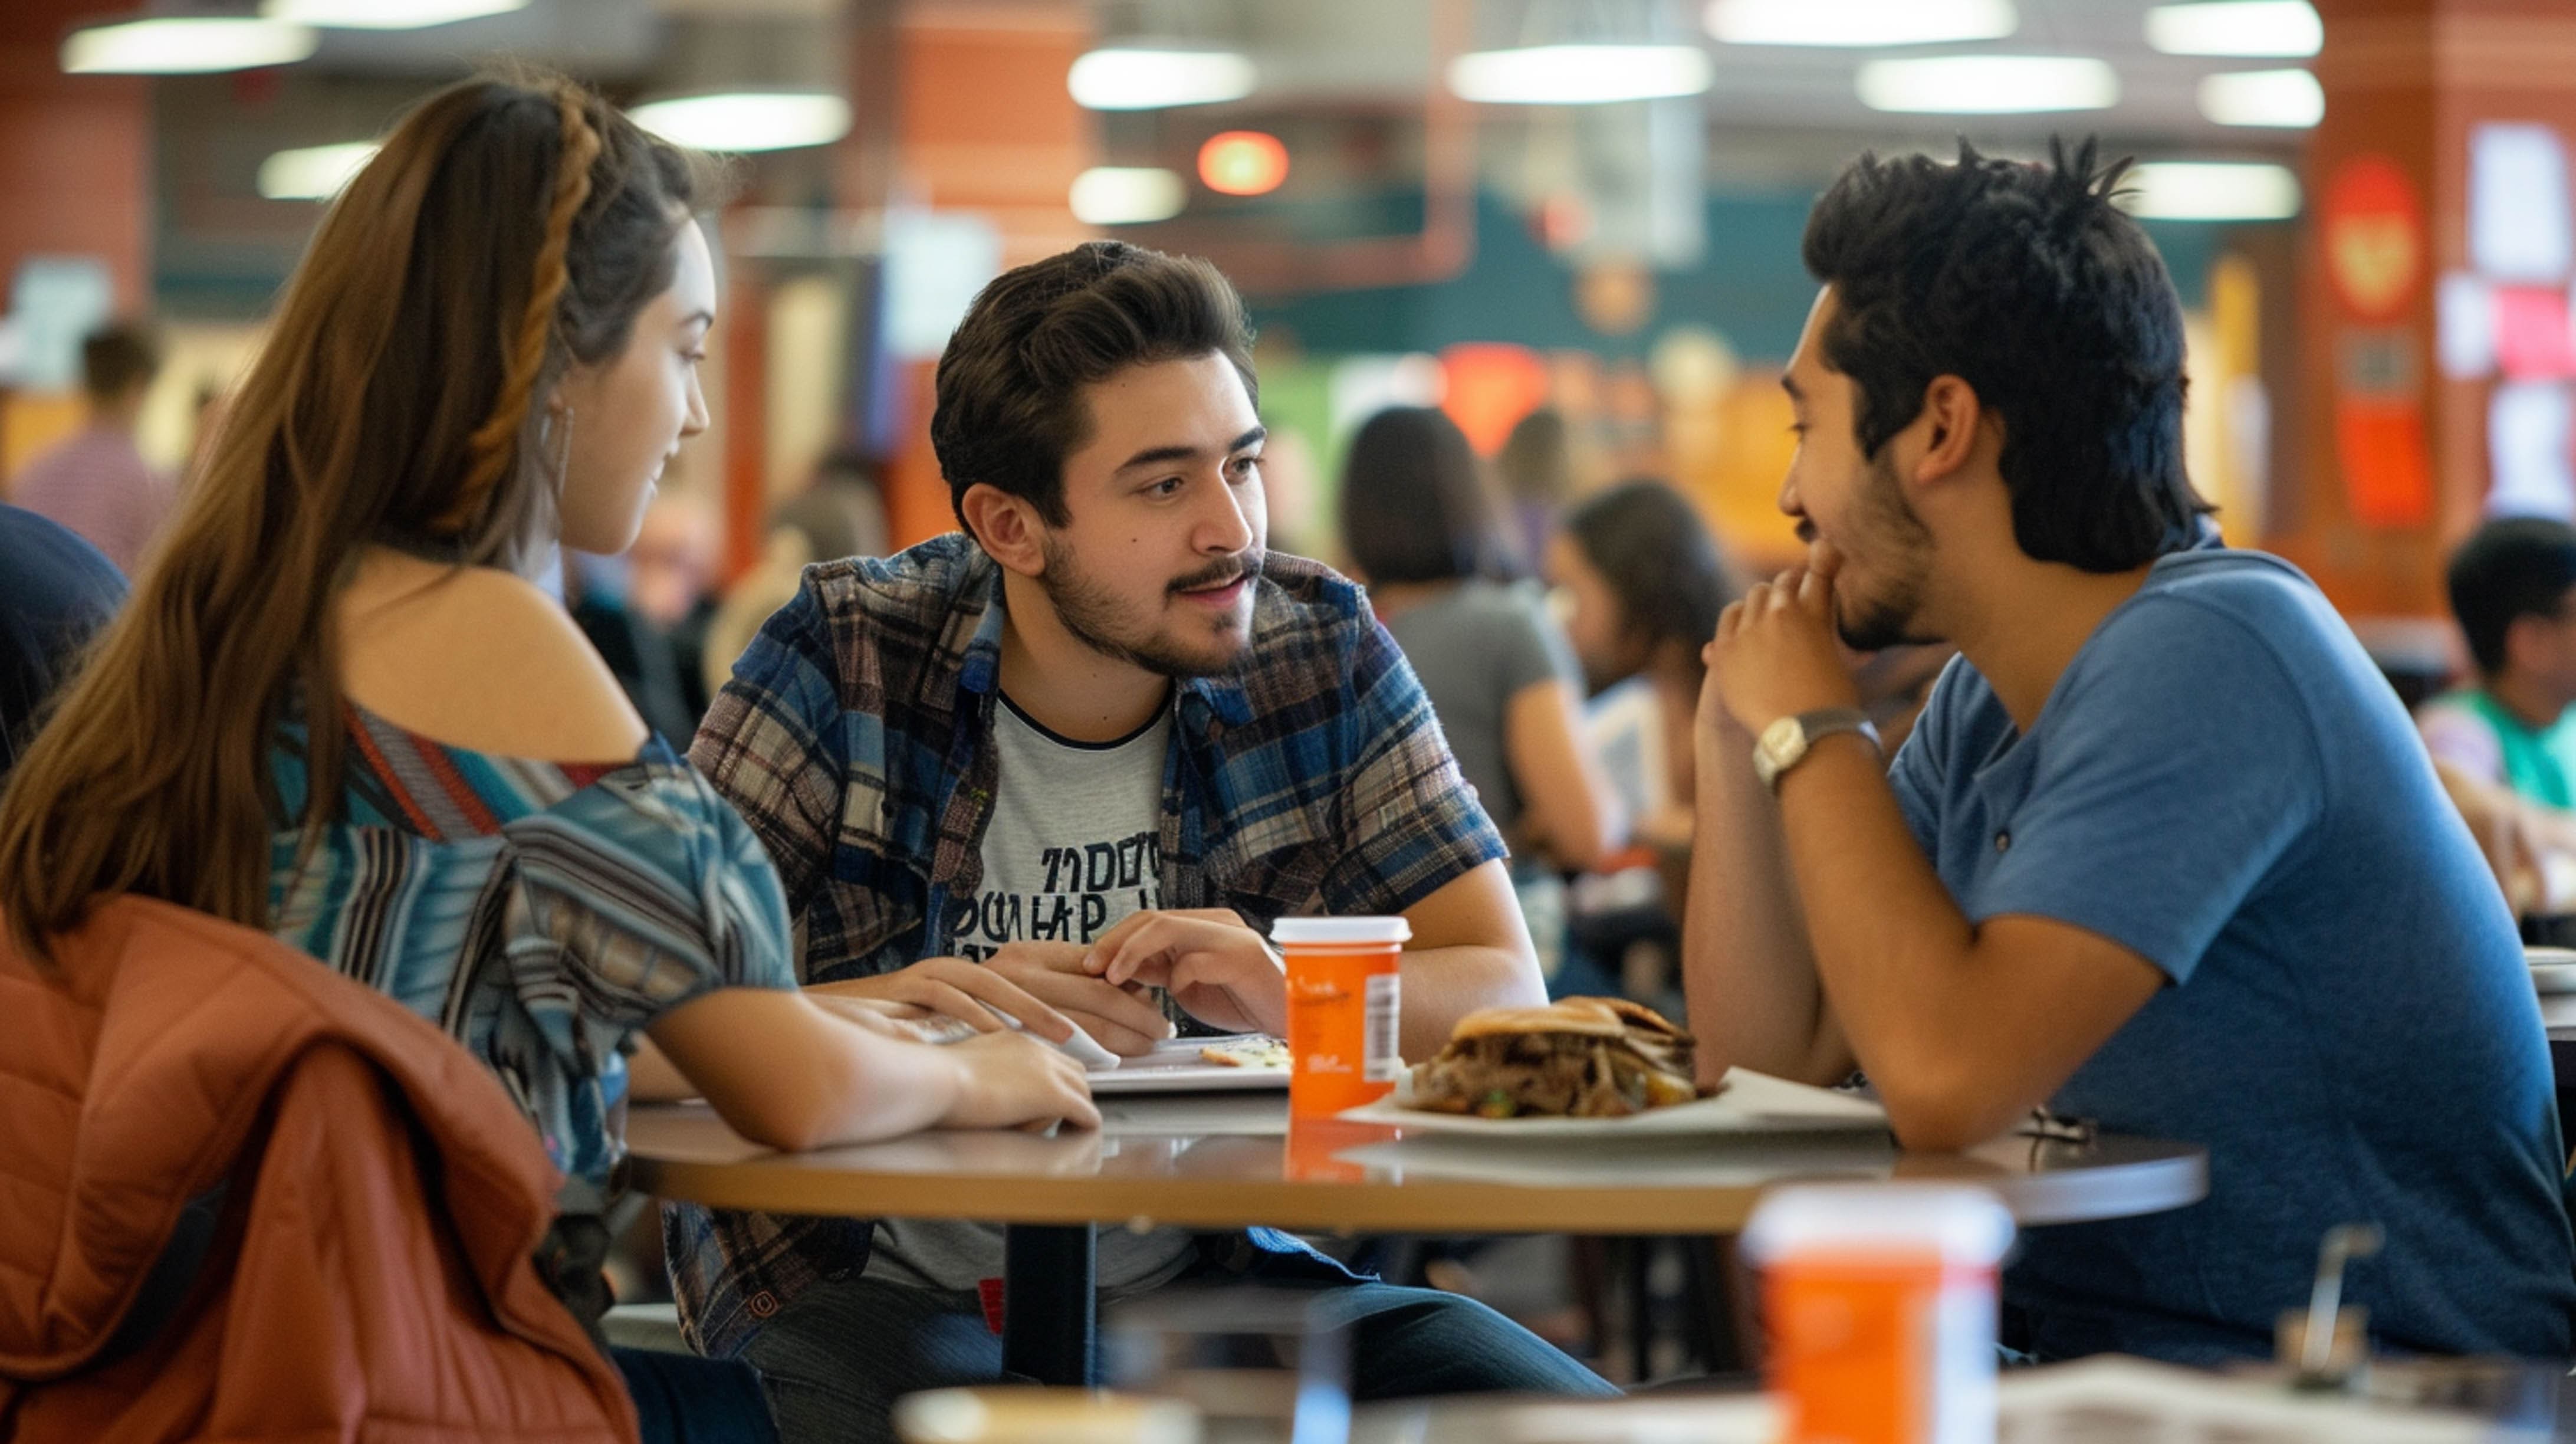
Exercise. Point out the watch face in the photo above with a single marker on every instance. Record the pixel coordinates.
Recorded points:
(1779, 745)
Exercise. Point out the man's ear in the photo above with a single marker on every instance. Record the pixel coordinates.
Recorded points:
(1007, 527)
(1951, 420)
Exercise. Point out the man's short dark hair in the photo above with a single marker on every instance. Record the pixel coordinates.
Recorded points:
(118, 358)
(1010, 406)
(2521, 566)
(1414, 507)
(2027, 283)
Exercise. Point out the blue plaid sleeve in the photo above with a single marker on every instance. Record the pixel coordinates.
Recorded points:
(770, 743)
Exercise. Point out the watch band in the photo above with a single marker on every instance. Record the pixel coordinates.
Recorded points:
(1785, 743)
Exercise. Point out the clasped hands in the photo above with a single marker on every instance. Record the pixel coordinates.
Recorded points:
(1777, 653)
(1212, 963)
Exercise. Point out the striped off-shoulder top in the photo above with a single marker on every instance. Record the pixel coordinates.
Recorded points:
(540, 912)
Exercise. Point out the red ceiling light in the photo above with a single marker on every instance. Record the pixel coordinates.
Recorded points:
(1243, 163)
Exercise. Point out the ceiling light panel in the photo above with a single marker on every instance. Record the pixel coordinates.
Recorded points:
(1579, 74)
(1989, 84)
(2210, 191)
(385, 14)
(185, 45)
(747, 120)
(1859, 22)
(1151, 78)
(2287, 28)
(1120, 195)
(313, 173)
(2284, 98)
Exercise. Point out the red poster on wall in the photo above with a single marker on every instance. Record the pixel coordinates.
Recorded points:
(2379, 445)
(2373, 232)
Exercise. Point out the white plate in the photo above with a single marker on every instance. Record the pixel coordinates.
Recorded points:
(1176, 1067)
(1750, 1103)
(2554, 977)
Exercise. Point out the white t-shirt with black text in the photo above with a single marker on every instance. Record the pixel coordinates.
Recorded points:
(1073, 847)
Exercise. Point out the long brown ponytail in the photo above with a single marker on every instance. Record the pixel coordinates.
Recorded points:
(507, 229)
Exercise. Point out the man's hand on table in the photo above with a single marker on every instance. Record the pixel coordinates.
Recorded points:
(1043, 985)
(1008, 1081)
(1125, 1019)
(1209, 959)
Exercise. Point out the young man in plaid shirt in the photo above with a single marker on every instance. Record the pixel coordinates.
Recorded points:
(1069, 766)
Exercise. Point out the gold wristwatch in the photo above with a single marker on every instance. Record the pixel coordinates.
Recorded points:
(1784, 743)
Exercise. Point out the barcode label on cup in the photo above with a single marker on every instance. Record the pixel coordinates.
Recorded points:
(1384, 1064)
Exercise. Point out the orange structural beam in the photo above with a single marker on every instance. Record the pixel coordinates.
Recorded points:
(746, 418)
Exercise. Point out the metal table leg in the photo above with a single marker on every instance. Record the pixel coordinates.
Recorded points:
(1050, 1315)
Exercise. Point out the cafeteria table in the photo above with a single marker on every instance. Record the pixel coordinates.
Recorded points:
(1231, 1160)
(2558, 1015)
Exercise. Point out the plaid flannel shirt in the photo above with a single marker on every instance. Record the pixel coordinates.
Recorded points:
(855, 737)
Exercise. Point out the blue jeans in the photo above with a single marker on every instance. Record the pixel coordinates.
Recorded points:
(683, 1399)
(837, 1358)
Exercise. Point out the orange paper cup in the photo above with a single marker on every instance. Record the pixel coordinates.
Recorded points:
(1344, 1004)
(1879, 1304)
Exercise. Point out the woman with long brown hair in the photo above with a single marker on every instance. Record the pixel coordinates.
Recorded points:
(337, 708)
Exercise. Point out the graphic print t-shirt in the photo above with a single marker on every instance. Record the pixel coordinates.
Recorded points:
(1073, 847)
(1075, 840)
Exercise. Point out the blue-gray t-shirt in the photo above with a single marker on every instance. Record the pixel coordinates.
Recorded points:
(2223, 783)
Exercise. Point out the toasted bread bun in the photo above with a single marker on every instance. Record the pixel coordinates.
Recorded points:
(1583, 1016)
(1636, 1015)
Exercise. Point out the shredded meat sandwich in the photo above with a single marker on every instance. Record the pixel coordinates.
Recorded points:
(1577, 1057)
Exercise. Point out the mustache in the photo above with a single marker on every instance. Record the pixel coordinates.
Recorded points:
(1221, 571)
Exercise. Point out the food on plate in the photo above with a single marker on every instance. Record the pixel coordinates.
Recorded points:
(1249, 1052)
(1575, 1058)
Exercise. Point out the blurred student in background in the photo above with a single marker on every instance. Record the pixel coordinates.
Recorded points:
(1644, 583)
(841, 515)
(338, 709)
(1420, 531)
(672, 572)
(2503, 742)
(97, 483)
(55, 590)
(1534, 474)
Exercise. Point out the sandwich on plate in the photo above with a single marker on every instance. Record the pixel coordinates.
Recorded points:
(1575, 1058)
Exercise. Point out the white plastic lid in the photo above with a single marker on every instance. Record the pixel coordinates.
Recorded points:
(1288, 932)
(1963, 1225)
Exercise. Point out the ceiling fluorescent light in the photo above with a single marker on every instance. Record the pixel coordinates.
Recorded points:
(747, 120)
(385, 14)
(2237, 27)
(1579, 74)
(1989, 84)
(314, 173)
(2211, 191)
(1120, 195)
(1859, 22)
(2263, 97)
(185, 45)
(1155, 78)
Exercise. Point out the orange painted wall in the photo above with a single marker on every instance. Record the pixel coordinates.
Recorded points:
(2407, 79)
(983, 123)
(75, 152)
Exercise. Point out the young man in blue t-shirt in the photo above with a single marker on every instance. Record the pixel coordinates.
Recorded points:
(2163, 853)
